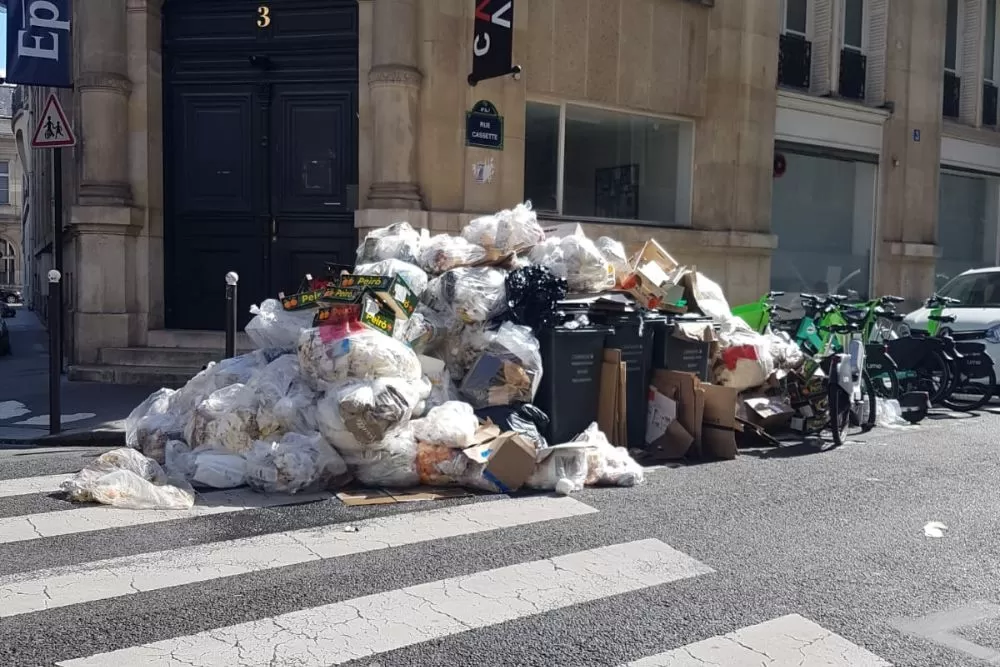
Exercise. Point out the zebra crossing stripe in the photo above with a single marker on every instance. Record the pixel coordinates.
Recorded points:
(363, 627)
(116, 577)
(89, 519)
(781, 642)
(25, 486)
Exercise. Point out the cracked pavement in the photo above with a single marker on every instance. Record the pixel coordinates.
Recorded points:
(821, 552)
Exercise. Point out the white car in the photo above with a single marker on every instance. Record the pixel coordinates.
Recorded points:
(978, 293)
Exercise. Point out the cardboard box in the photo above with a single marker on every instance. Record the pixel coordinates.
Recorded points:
(368, 312)
(390, 290)
(768, 412)
(655, 281)
(665, 437)
(690, 402)
(509, 458)
(718, 436)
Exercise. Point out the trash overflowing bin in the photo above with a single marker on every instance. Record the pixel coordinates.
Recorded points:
(571, 377)
(680, 354)
(634, 337)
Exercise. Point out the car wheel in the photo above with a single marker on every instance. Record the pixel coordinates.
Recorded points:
(12, 299)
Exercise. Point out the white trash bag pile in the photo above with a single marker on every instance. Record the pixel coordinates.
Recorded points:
(315, 407)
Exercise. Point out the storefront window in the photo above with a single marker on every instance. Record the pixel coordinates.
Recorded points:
(967, 225)
(593, 163)
(822, 212)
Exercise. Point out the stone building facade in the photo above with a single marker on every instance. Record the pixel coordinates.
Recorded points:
(263, 137)
(11, 247)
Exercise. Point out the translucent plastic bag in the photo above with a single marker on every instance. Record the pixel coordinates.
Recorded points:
(563, 468)
(370, 409)
(471, 294)
(127, 479)
(578, 260)
(397, 241)
(226, 419)
(614, 252)
(507, 372)
(274, 327)
(506, 232)
(608, 465)
(287, 403)
(237, 370)
(452, 424)
(425, 330)
(297, 462)
(325, 356)
(413, 275)
(438, 465)
(746, 360)
(393, 464)
(443, 389)
(444, 252)
(153, 423)
(206, 466)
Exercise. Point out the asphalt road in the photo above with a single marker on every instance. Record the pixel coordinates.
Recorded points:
(829, 543)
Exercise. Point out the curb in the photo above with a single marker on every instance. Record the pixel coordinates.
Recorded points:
(79, 438)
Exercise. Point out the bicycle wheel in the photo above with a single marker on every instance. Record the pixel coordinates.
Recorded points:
(885, 383)
(933, 376)
(968, 394)
(864, 412)
(840, 411)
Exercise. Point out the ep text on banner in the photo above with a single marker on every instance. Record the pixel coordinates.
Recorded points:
(492, 40)
(39, 49)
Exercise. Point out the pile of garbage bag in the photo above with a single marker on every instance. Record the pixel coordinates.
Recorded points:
(436, 399)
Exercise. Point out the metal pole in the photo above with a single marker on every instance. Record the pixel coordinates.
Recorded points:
(232, 278)
(55, 345)
(57, 246)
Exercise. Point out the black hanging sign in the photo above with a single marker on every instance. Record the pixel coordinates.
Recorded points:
(484, 126)
(492, 40)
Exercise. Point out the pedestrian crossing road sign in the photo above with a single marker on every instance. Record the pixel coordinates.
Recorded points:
(53, 130)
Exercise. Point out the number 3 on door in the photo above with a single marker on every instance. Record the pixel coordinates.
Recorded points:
(263, 16)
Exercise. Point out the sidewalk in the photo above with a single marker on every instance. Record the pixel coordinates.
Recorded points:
(91, 413)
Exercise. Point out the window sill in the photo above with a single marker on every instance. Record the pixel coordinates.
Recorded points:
(570, 219)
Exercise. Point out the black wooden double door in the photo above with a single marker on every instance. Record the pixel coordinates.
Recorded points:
(260, 150)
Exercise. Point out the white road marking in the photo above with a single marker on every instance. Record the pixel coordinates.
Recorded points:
(788, 641)
(89, 518)
(363, 627)
(43, 420)
(12, 410)
(116, 577)
(25, 486)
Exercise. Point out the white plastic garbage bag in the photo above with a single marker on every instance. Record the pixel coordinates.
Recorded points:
(153, 423)
(452, 424)
(414, 277)
(508, 371)
(575, 258)
(563, 467)
(469, 294)
(287, 403)
(326, 356)
(745, 359)
(608, 465)
(444, 252)
(397, 241)
(614, 252)
(226, 419)
(274, 327)
(507, 231)
(206, 466)
(125, 478)
(358, 413)
(297, 462)
(392, 463)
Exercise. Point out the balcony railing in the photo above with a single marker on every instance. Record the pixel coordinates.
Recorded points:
(853, 71)
(794, 61)
(952, 94)
(989, 104)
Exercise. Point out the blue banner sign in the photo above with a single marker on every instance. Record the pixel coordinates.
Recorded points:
(39, 49)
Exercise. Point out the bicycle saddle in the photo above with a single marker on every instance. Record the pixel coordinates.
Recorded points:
(943, 319)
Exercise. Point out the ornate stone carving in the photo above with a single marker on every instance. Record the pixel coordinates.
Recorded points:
(395, 75)
(104, 81)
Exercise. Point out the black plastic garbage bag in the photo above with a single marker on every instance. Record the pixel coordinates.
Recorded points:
(532, 294)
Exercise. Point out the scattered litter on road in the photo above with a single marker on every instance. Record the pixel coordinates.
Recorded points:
(935, 529)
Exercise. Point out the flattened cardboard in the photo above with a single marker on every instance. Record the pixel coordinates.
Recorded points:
(607, 406)
(690, 402)
(768, 412)
(718, 436)
(361, 497)
(665, 437)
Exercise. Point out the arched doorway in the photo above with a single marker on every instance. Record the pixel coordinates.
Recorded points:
(8, 264)
(260, 116)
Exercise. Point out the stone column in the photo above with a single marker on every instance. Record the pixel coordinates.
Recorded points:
(394, 83)
(104, 87)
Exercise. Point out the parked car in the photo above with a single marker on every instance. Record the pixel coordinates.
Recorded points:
(10, 295)
(978, 293)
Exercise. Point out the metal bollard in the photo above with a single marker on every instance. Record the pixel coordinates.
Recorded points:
(55, 351)
(232, 278)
